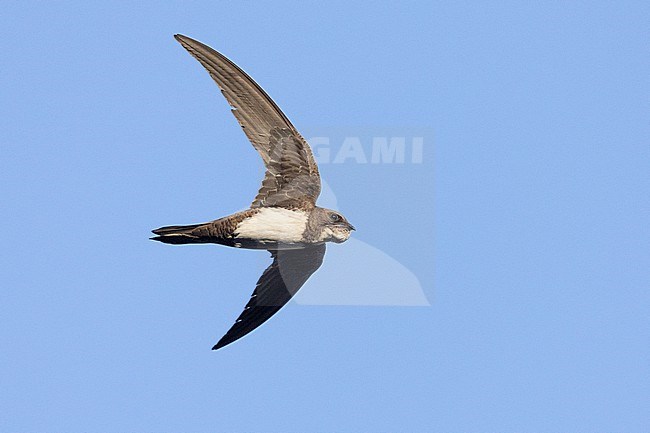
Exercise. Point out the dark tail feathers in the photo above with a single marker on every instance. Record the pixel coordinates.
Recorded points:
(178, 235)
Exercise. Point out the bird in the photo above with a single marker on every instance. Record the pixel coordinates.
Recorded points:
(283, 218)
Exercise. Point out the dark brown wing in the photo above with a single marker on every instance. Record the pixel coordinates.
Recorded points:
(289, 181)
(277, 285)
(292, 173)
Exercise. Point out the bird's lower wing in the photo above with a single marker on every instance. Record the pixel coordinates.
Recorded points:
(277, 285)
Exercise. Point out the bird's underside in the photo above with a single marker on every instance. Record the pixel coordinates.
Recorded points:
(293, 263)
(239, 230)
(283, 217)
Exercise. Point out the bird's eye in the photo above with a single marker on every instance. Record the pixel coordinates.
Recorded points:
(335, 217)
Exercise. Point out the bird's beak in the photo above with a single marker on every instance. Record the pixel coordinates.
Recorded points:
(350, 226)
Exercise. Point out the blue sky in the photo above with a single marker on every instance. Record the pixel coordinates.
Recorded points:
(524, 225)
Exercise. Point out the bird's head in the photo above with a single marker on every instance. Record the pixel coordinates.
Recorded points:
(333, 226)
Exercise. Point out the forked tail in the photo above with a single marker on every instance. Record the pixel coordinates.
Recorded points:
(180, 234)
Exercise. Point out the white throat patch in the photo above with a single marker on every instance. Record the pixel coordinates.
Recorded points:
(273, 224)
(334, 234)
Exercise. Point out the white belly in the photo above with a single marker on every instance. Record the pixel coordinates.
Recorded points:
(274, 224)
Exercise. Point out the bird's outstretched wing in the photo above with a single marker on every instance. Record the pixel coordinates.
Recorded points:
(292, 179)
(277, 285)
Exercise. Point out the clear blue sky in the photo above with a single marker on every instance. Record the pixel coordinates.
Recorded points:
(525, 225)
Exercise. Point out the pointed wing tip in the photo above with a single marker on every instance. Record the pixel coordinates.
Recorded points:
(183, 40)
(230, 338)
(221, 344)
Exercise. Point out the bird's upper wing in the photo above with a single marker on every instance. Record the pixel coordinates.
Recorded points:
(279, 282)
(292, 178)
